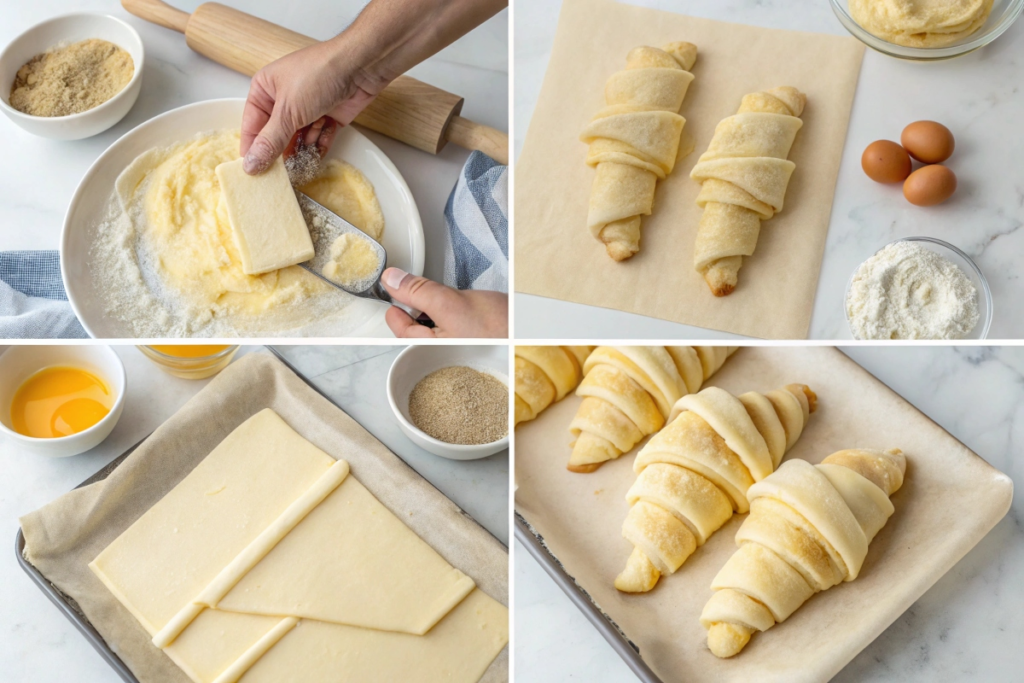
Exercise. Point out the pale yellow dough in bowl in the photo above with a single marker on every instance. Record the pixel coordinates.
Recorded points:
(187, 253)
(921, 23)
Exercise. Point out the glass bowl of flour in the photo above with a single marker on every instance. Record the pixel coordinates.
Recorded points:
(918, 288)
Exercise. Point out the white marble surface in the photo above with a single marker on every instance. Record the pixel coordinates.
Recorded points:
(965, 628)
(40, 175)
(977, 96)
(38, 644)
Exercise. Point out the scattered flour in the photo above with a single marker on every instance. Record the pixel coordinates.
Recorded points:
(153, 296)
(907, 291)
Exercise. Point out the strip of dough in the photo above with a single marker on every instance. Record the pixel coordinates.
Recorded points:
(254, 552)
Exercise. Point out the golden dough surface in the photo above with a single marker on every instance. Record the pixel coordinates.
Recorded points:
(921, 23)
(170, 265)
(343, 189)
(176, 206)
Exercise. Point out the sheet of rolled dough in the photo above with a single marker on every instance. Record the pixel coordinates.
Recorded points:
(215, 640)
(349, 559)
(265, 217)
(458, 650)
(181, 543)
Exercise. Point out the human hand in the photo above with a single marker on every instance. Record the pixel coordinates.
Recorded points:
(455, 313)
(301, 97)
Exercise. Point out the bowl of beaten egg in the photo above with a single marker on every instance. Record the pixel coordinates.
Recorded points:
(147, 253)
(956, 28)
(60, 401)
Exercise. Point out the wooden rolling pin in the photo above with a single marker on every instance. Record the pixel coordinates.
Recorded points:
(408, 110)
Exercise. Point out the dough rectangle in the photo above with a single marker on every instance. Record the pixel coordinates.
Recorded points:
(265, 217)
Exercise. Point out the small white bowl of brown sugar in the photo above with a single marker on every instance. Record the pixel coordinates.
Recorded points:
(452, 401)
(72, 76)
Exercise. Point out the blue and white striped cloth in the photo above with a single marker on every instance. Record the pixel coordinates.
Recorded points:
(476, 255)
(33, 304)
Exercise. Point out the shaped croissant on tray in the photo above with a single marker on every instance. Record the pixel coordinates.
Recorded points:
(808, 530)
(628, 392)
(744, 175)
(634, 141)
(695, 473)
(545, 374)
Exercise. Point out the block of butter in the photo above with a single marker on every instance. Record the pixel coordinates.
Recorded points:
(265, 217)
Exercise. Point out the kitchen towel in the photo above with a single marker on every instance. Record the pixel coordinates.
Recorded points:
(476, 254)
(33, 304)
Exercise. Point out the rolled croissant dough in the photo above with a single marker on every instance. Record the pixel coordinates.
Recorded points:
(343, 583)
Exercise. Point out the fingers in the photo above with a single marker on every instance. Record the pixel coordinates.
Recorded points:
(258, 107)
(405, 327)
(269, 144)
(419, 292)
(327, 135)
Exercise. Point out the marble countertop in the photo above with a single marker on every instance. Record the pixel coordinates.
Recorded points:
(35, 190)
(967, 627)
(977, 96)
(40, 645)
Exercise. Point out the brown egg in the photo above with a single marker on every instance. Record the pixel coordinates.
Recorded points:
(885, 162)
(930, 185)
(928, 142)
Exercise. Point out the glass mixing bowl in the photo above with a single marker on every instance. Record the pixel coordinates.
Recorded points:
(1004, 13)
(964, 262)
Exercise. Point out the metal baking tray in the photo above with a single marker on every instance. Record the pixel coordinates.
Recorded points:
(604, 624)
(70, 609)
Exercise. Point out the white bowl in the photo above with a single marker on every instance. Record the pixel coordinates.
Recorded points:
(71, 28)
(415, 363)
(18, 363)
(403, 232)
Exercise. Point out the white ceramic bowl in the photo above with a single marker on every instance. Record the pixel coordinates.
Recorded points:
(71, 28)
(962, 261)
(18, 363)
(1004, 13)
(415, 363)
(403, 232)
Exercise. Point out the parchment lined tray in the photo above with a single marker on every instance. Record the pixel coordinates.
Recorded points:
(252, 383)
(557, 257)
(950, 499)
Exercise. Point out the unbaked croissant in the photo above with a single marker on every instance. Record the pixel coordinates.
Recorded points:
(808, 530)
(696, 472)
(634, 141)
(744, 175)
(628, 392)
(545, 374)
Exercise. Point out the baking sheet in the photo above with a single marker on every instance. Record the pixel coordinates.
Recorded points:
(557, 257)
(950, 499)
(66, 534)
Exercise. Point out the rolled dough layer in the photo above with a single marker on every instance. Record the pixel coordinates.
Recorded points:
(269, 547)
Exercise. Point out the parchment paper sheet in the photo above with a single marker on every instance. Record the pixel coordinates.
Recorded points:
(950, 499)
(557, 257)
(63, 537)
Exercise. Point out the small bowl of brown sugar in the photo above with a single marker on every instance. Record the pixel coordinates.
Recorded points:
(452, 400)
(72, 76)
